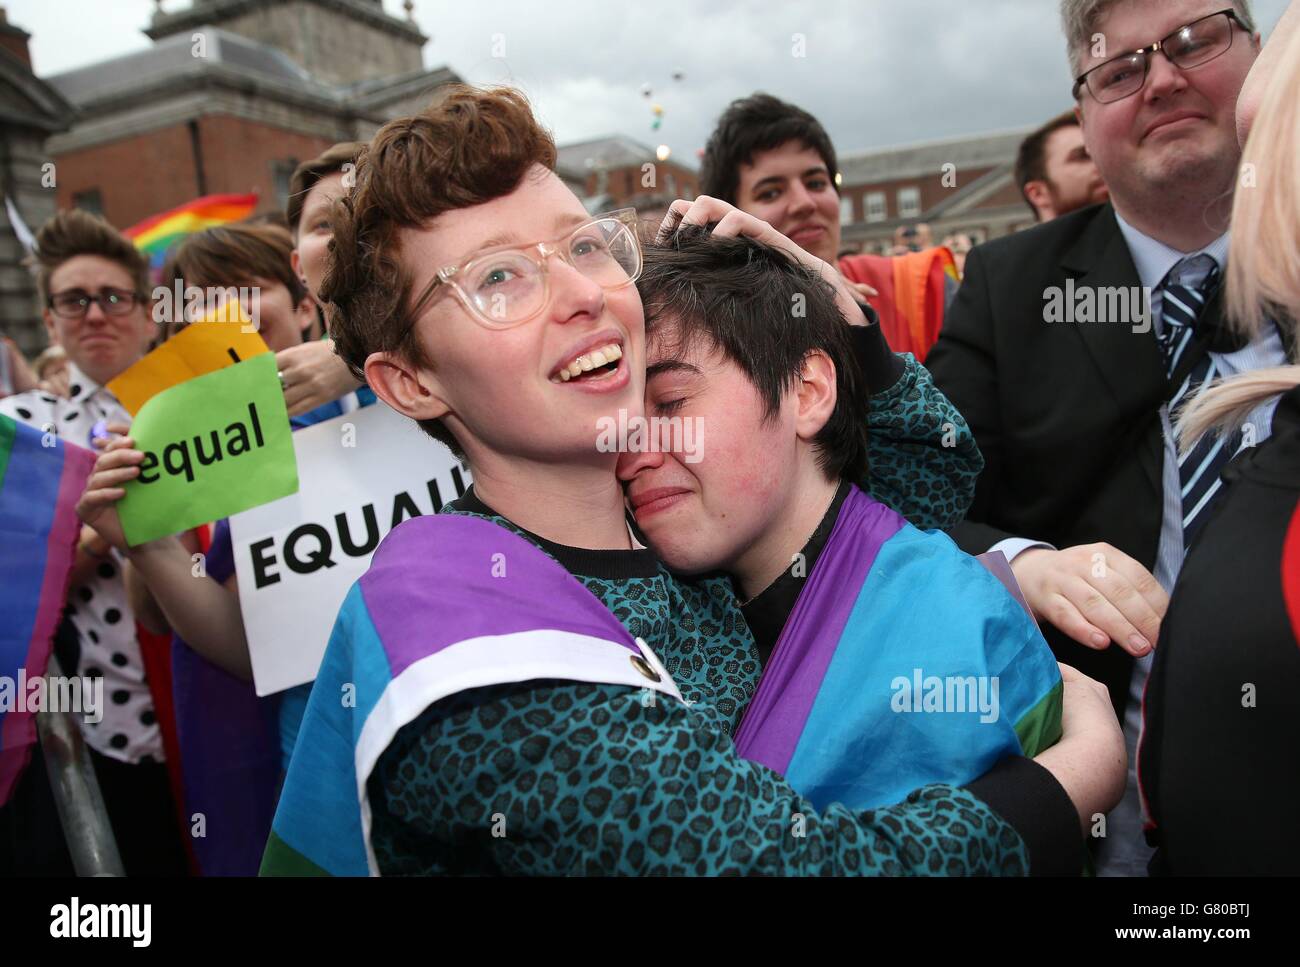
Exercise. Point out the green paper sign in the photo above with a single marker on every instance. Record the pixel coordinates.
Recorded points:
(214, 445)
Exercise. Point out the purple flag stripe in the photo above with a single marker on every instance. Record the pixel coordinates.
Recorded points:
(503, 585)
(775, 718)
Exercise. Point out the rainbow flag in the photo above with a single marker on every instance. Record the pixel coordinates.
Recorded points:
(914, 293)
(420, 625)
(39, 489)
(904, 662)
(158, 233)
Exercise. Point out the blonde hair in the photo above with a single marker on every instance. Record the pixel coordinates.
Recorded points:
(1263, 277)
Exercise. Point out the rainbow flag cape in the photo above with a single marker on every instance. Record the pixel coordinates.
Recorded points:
(158, 233)
(904, 662)
(422, 624)
(914, 291)
(39, 489)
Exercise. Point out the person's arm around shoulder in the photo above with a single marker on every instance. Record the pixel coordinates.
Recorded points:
(922, 459)
(600, 782)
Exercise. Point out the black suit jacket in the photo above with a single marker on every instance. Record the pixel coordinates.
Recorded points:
(1066, 414)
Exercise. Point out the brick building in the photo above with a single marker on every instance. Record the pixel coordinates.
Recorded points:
(621, 172)
(954, 185)
(230, 97)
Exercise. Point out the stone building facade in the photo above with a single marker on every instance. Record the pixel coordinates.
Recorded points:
(232, 95)
(336, 41)
(30, 111)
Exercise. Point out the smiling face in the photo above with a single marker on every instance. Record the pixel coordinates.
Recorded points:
(500, 391)
(1178, 132)
(790, 188)
(312, 250)
(709, 514)
(100, 345)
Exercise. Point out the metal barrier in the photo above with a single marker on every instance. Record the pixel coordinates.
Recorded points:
(86, 828)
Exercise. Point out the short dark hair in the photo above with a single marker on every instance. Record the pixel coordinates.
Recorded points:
(308, 173)
(752, 124)
(471, 147)
(75, 232)
(736, 296)
(1031, 158)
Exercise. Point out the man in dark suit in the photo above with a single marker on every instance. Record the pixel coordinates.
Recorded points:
(1069, 345)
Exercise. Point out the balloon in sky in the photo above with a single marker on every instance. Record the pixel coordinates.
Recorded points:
(647, 91)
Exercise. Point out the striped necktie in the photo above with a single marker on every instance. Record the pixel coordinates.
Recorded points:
(1199, 469)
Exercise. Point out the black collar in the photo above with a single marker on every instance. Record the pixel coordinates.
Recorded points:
(767, 614)
(578, 561)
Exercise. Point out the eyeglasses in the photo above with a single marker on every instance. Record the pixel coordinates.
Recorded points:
(1191, 45)
(507, 287)
(112, 302)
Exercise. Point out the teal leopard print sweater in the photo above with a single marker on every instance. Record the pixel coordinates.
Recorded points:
(553, 777)
(550, 777)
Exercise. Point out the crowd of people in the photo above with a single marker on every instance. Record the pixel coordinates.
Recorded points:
(702, 662)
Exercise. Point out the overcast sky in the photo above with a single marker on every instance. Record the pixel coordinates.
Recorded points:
(875, 72)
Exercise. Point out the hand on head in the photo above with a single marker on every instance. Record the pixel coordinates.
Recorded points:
(732, 222)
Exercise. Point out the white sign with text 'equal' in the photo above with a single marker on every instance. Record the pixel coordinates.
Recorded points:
(296, 558)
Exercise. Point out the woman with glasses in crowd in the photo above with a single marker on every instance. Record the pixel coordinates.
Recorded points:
(94, 285)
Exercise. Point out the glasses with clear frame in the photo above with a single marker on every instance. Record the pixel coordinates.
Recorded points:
(505, 287)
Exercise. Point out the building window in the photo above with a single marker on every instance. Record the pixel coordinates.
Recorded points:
(846, 210)
(909, 202)
(88, 201)
(876, 209)
(281, 173)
